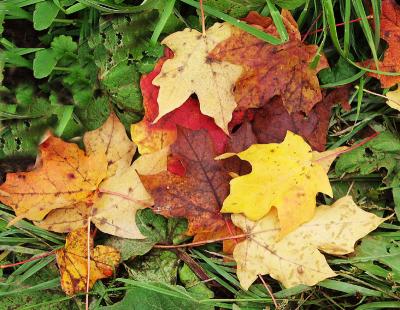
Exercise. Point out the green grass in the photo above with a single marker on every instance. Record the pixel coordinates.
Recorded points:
(369, 282)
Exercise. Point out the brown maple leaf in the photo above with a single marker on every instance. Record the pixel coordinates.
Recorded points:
(390, 32)
(271, 70)
(198, 194)
(240, 140)
(272, 121)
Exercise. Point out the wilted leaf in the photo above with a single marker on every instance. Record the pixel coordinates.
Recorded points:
(295, 259)
(240, 140)
(198, 195)
(390, 31)
(284, 176)
(192, 71)
(153, 137)
(271, 70)
(73, 262)
(271, 122)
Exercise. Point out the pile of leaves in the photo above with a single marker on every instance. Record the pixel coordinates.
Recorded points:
(197, 168)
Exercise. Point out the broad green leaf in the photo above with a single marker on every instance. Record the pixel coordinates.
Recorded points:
(159, 296)
(155, 266)
(289, 4)
(63, 45)
(44, 14)
(121, 50)
(156, 228)
(236, 8)
(380, 257)
(193, 284)
(342, 70)
(44, 63)
(381, 152)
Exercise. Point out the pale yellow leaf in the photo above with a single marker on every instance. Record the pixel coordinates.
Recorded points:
(192, 71)
(394, 99)
(112, 140)
(296, 259)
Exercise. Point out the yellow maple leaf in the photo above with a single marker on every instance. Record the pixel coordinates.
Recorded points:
(295, 259)
(191, 71)
(283, 176)
(73, 262)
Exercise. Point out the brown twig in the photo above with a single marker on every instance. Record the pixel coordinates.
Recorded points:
(350, 148)
(195, 267)
(198, 243)
(312, 25)
(267, 287)
(28, 260)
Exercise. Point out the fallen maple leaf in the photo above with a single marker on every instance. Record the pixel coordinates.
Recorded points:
(111, 140)
(152, 137)
(295, 259)
(272, 121)
(390, 32)
(117, 198)
(198, 195)
(283, 176)
(73, 262)
(271, 70)
(192, 71)
(394, 99)
(240, 140)
(63, 176)
(56, 196)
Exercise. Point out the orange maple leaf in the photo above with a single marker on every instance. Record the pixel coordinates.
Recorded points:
(390, 32)
(64, 175)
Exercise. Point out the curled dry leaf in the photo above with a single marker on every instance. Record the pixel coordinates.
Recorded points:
(198, 195)
(283, 176)
(390, 32)
(271, 70)
(73, 262)
(153, 137)
(111, 201)
(295, 259)
(192, 71)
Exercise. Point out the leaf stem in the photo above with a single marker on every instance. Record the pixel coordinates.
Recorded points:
(203, 19)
